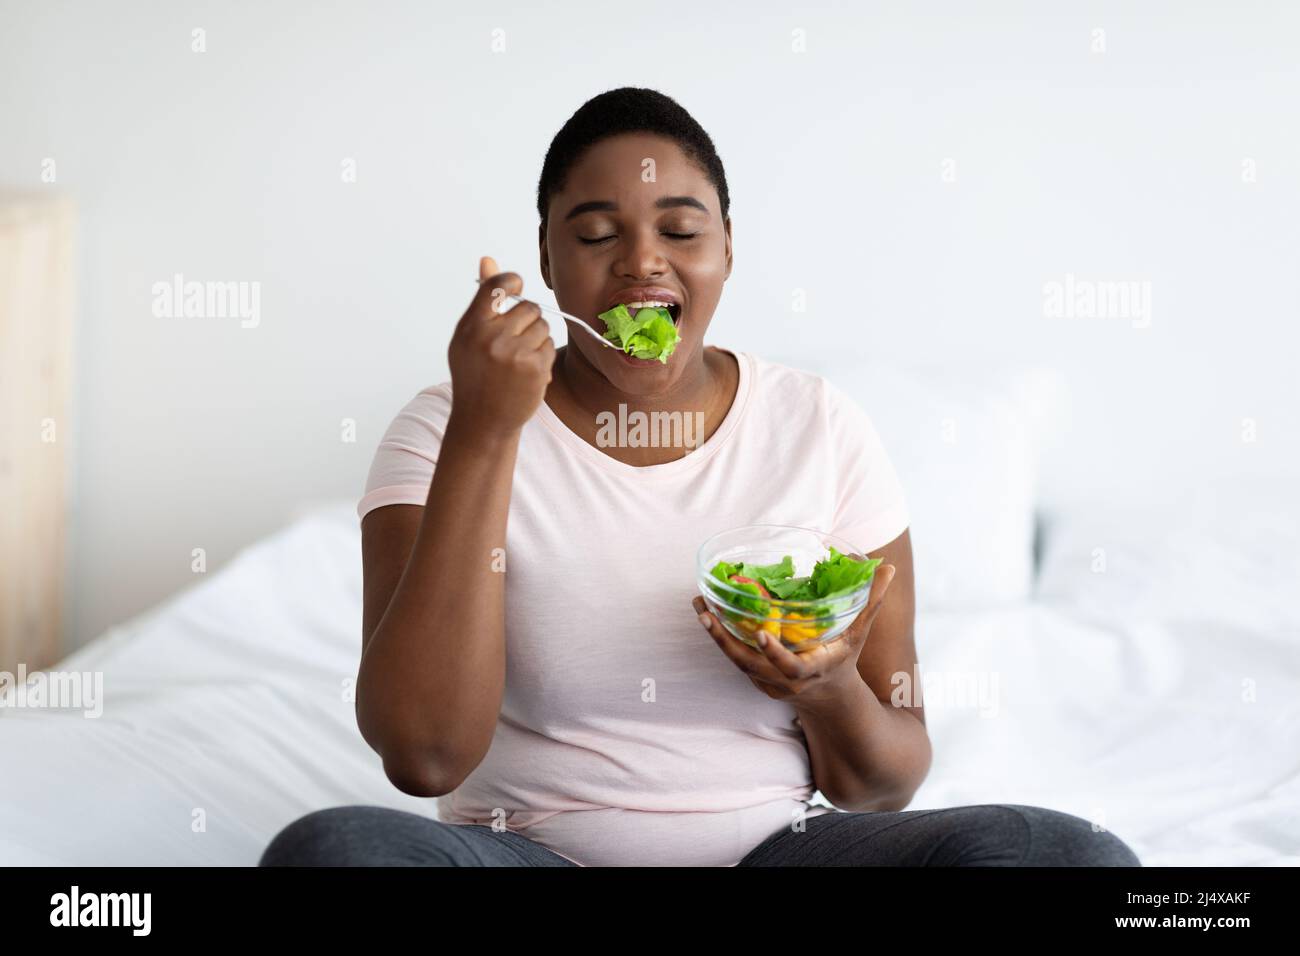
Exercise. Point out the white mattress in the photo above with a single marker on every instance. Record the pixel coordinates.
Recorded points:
(229, 701)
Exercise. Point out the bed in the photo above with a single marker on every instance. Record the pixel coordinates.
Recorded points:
(1159, 699)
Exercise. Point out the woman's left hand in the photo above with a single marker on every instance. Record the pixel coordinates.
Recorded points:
(814, 676)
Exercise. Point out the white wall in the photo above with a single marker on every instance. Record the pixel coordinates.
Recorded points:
(225, 165)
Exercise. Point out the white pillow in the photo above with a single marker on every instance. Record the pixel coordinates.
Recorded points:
(963, 442)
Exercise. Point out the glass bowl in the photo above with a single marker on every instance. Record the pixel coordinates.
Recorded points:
(801, 625)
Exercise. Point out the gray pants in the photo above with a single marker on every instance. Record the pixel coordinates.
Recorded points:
(991, 834)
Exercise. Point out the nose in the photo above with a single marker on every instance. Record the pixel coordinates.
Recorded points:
(643, 258)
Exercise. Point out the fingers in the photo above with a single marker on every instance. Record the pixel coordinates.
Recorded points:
(773, 663)
(521, 321)
(547, 351)
(884, 577)
(880, 583)
(493, 287)
(535, 334)
(519, 328)
(724, 640)
(515, 320)
(491, 301)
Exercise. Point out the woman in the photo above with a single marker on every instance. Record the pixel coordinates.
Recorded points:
(533, 654)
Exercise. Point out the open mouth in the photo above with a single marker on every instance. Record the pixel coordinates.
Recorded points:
(635, 324)
(674, 308)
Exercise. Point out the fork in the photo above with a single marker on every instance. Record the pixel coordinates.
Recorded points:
(559, 314)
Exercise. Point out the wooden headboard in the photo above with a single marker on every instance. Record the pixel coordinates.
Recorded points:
(36, 302)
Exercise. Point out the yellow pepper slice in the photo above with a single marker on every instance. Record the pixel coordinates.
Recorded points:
(794, 633)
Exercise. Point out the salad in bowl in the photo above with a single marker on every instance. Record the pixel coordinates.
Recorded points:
(802, 586)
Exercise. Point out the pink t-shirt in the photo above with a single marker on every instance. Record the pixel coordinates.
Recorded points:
(625, 736)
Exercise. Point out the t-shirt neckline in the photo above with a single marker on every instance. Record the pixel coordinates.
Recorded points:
(579, 446)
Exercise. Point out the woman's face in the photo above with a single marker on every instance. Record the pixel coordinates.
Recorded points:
(635, 212)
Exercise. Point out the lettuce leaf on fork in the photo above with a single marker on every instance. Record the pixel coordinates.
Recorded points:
(650, 334)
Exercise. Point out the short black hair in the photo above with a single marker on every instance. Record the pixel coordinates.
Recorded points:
(629, 109)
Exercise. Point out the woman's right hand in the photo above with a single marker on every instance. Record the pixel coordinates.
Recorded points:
(500, 362)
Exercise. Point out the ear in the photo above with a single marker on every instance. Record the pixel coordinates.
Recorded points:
(727, 231)
(544, 256)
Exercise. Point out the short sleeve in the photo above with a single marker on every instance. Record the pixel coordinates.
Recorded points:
(871, 509)
(402, 469)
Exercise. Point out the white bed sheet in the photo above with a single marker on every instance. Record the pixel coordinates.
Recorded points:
(230, 699)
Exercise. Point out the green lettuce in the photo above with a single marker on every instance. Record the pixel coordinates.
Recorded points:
(650, 334)
(834, 577)
(840, 574)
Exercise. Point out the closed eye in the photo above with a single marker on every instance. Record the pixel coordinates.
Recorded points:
(670, 235)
